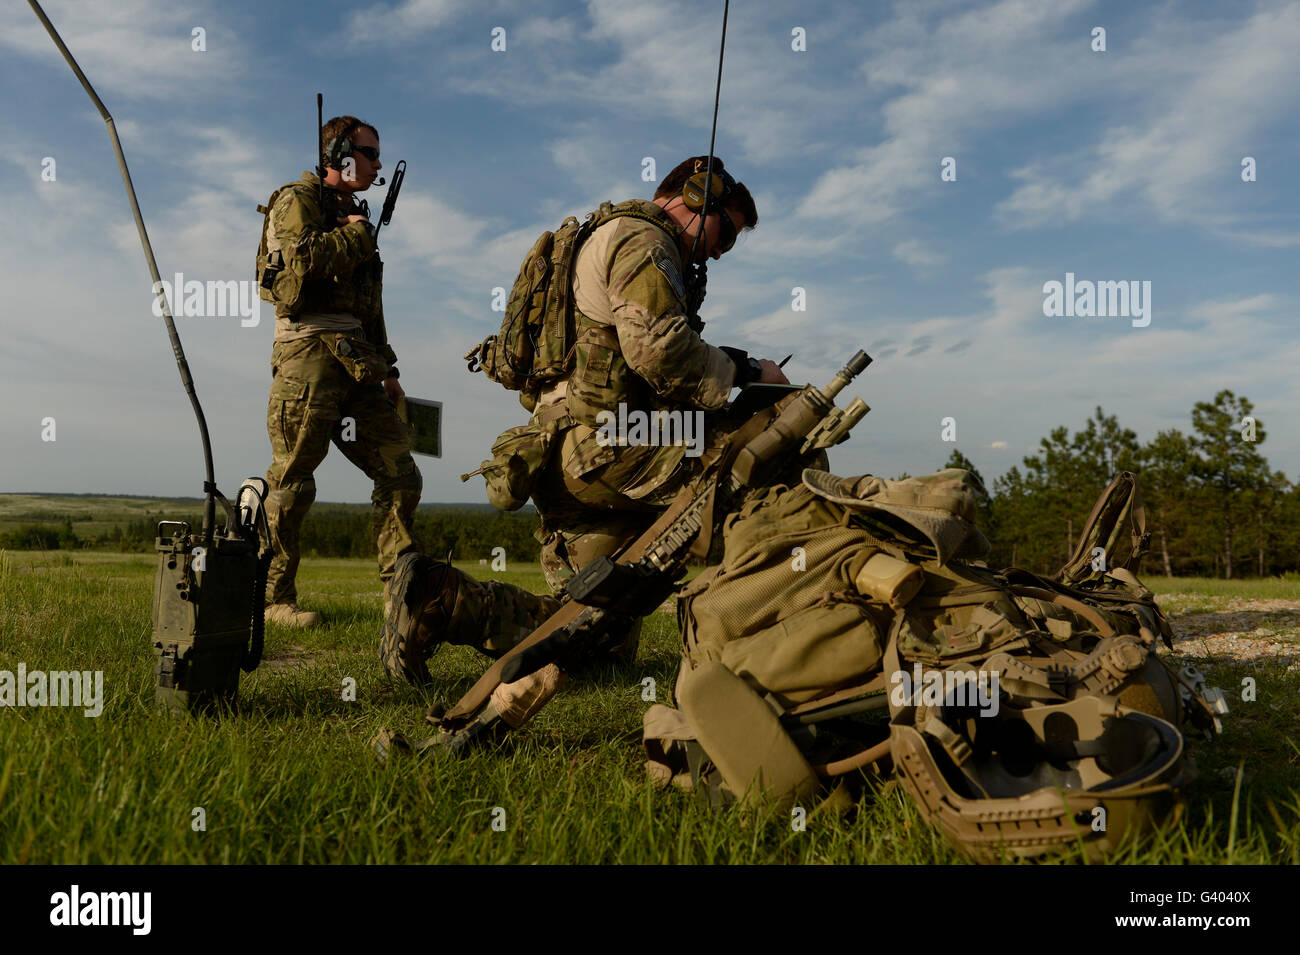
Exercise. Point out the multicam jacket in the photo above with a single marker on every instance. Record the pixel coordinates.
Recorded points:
(332, 275)
(634, 342)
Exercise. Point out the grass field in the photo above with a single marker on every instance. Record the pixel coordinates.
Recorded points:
(103, 521)
(89, 515)
(290, 777)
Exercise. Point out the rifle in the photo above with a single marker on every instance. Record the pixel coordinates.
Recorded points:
(608, 591)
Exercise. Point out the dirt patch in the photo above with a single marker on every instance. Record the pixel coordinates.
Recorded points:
(290, 657)
(1241, 630)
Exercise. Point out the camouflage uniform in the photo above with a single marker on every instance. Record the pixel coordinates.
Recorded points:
(635, 346)
(330, 356)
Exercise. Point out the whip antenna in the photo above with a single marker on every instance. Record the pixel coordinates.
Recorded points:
(209, 484)
(708, 174)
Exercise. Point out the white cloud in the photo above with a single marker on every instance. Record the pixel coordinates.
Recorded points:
(157, 33)
(1265, 238)
(400, 23)
(912, 252)
(1212, 312)
(1195, 99)
(773, 102)
(1023, 374)
(1006, 58)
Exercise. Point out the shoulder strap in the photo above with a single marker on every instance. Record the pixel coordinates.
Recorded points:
(270, 203)
(1118, 524)
(265, 210)
(632, 209)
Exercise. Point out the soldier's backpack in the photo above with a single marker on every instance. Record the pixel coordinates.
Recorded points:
(838, 603)
(534, 345)
(275, 283)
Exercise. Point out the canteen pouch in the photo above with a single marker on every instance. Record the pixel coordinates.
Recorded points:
(518, 456)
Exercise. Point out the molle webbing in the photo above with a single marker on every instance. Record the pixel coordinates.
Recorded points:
(535, 344)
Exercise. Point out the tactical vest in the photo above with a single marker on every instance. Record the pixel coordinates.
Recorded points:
(283, 286)
(544, 339)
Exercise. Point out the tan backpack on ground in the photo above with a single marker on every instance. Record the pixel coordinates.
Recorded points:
(851, 620)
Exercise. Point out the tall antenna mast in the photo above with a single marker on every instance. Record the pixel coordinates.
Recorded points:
(320, 149)
(209, 484)
(708, 174)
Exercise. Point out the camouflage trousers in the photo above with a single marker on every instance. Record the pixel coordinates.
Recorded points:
(584, 517)
(493, 615)
(315, 401)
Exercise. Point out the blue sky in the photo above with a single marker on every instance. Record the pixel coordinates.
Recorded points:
(1122, 165)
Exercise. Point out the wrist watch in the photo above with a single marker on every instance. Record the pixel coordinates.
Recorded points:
(747, 369)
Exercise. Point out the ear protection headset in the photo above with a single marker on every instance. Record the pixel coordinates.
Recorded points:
(338, 149)
(720, 186)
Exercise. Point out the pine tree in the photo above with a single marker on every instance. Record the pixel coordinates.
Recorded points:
(1229, 468)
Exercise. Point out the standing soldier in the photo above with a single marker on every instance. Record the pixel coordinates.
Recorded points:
(334, 374)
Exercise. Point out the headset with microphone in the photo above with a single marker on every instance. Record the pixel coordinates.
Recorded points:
(340, 148)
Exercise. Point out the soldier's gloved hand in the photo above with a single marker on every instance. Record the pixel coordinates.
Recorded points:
(393, 389)
(772, 373)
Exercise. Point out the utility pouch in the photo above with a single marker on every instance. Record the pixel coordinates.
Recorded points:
(361, 359)
(518, 457)
(602, 378)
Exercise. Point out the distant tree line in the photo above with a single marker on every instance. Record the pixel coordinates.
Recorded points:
(1214, 507)
(331, 530)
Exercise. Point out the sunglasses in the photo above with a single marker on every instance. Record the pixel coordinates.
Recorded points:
(370, 152)
(726, 233)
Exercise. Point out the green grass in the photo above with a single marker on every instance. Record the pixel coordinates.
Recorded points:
(1267, 588)
(290, 778)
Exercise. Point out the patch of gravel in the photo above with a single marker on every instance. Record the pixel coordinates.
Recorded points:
(1236, 629)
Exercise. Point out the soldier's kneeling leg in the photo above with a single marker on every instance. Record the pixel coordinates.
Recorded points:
(434, 603)
(564, 553)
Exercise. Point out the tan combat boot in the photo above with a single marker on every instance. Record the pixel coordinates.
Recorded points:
(291, 615)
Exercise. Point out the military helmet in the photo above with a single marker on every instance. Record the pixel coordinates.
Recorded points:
(1058, 764)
